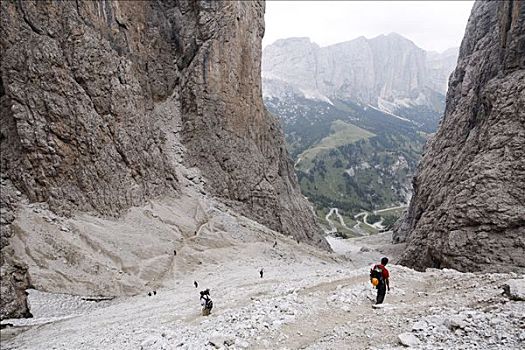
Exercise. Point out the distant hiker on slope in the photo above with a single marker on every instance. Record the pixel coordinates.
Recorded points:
(379, 276)
(206, 302)
(261, 273)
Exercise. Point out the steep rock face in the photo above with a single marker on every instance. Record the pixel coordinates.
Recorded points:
(230, 136)
(468, 209)
(91, 93)
(79, 128)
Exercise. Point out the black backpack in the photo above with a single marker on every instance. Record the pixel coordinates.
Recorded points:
(377, 272)
(208, 303)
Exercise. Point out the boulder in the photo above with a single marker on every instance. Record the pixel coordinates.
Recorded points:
(408, 340)
(420, 326)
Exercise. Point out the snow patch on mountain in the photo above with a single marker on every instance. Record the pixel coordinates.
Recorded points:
(384, 110)
(315, 95)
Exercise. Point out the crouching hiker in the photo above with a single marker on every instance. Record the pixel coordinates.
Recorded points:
(379, 276)
(206, 302)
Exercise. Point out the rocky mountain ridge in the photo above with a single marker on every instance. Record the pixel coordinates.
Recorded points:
(468, 208)
(388, 72)
(108, 104)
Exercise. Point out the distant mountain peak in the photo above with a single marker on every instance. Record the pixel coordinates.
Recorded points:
(293, 41)
(300, 39)
(361, 38)
(397, 36)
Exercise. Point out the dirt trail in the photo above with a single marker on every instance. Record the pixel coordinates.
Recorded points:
(321, 325)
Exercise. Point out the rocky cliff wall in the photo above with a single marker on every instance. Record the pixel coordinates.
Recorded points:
(91, 94)
(231, 138)
(468, 209)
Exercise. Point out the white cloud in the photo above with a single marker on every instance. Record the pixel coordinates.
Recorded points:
(432, 25)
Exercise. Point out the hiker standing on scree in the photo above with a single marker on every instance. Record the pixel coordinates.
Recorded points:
(381, 273)
(206, 302)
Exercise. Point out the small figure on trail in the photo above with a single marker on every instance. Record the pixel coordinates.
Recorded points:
(154, 292)
(379, 276)
(174, 252)
(275, 244)
(206, 302)
(261, 273)
(195, 284)
(149, 294)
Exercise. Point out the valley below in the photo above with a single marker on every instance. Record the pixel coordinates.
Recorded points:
(349, 157)
(336, 224)
(355, 122)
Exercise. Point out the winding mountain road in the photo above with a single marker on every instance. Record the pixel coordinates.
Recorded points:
(357, 228)
(335, 211)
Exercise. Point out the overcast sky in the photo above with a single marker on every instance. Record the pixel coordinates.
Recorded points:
(431, 25)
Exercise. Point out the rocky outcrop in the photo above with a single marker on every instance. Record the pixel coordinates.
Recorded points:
(468, 209)
(14, 277)
(94, 95)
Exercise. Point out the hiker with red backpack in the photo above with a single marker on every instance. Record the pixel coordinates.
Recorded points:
(379, 277)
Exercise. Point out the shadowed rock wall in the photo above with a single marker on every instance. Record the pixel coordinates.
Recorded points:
(468, 208)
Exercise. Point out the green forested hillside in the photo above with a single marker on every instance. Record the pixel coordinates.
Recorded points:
(352, 157)
(341, 133)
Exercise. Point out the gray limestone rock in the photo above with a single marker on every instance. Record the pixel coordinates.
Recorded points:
(468, 208)
(238, 146)
(408, 340)
(456, 321)
(420, 326)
